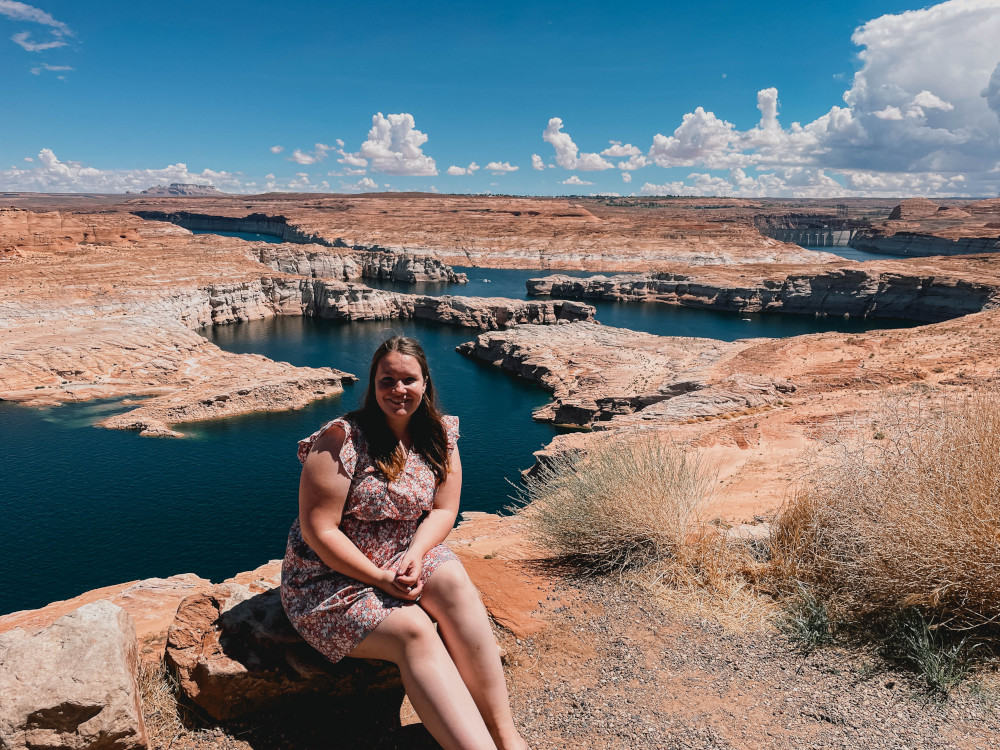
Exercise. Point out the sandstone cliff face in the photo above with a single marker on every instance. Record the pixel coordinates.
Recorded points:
(319, 263)
(919, 227)
(922, 245)
(853, 292)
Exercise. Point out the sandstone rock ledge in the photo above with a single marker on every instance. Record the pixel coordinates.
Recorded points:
(230, 644)
(879, 290)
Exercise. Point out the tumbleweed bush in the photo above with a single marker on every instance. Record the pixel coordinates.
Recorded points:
(910, 520)
(621, 505)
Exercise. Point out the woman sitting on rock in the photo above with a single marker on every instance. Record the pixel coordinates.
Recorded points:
(365, 573)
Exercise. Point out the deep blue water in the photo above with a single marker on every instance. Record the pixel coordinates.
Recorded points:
(850, 253)
(90, 507)
(252, 236)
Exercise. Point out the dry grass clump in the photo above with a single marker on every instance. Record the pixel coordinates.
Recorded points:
(907, 519)
(622, 505)
(713, 578)
(160, 710)
(629, 508)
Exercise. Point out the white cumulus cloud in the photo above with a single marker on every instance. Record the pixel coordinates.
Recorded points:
(53, 175)
(394, 146)
(23, 12)
(457, 171)
(538, 163)
(277, 149)
(922, 115)
(575, 180)
(318, 154)
(568, 155)
(501, 167)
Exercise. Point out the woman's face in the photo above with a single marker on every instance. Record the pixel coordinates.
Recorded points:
(399, 386)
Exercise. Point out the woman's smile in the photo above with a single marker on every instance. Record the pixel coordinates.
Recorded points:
(399, 385)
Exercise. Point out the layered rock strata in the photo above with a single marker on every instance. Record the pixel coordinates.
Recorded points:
(403, 267)
(496, 231)
(919, 227)
(98, 307)
(854, 292)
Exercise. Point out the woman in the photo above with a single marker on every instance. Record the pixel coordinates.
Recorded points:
(365, 573)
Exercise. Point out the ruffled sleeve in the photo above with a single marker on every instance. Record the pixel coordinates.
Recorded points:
(451, 431)
(348, 451)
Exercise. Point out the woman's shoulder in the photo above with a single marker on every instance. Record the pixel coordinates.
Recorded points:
(332, 436)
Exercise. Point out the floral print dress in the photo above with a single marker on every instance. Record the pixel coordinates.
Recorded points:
(331, 611)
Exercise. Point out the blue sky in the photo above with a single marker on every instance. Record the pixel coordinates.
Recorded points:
(709, 98)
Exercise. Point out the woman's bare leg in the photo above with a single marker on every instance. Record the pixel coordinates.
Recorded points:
(452, 599)
(408, 639)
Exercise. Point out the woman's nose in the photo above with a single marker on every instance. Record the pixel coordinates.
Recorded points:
(399, 387)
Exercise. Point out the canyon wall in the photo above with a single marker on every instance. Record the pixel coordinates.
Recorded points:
(922, 245)
(323, 264)
(843, 291)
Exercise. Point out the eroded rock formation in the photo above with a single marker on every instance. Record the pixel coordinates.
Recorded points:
(919, 227)
(862, 291)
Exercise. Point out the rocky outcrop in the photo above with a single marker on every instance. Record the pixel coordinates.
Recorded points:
(72, 685)
(914, 209)
(921, 245)
(596, 372)
(235, 653)
(842, 291)
(921, 228)
(181, 189)
(323, 264)
(269, 296)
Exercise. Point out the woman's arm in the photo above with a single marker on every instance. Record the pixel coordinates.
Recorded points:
(436, 526)
(323, 490)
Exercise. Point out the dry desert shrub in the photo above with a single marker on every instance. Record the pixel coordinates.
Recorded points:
(908, 518)
(620, 506)
(713, 578)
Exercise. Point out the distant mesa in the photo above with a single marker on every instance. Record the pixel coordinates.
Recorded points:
(182, 190)
(914, 209)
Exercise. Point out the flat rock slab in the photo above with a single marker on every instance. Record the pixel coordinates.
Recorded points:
(72, 685)
(236, 653)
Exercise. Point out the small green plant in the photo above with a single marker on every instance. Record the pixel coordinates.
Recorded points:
(805, 620)
(940, 657)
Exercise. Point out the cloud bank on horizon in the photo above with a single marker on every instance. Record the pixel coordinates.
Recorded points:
(908, 125)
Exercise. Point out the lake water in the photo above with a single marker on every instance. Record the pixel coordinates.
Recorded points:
(86, 507)
(252, 236)
(850, 253)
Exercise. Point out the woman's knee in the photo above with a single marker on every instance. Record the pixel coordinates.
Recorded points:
(408, 630)
(450, 585)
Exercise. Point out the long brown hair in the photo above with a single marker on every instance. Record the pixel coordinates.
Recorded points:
(427, 432)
